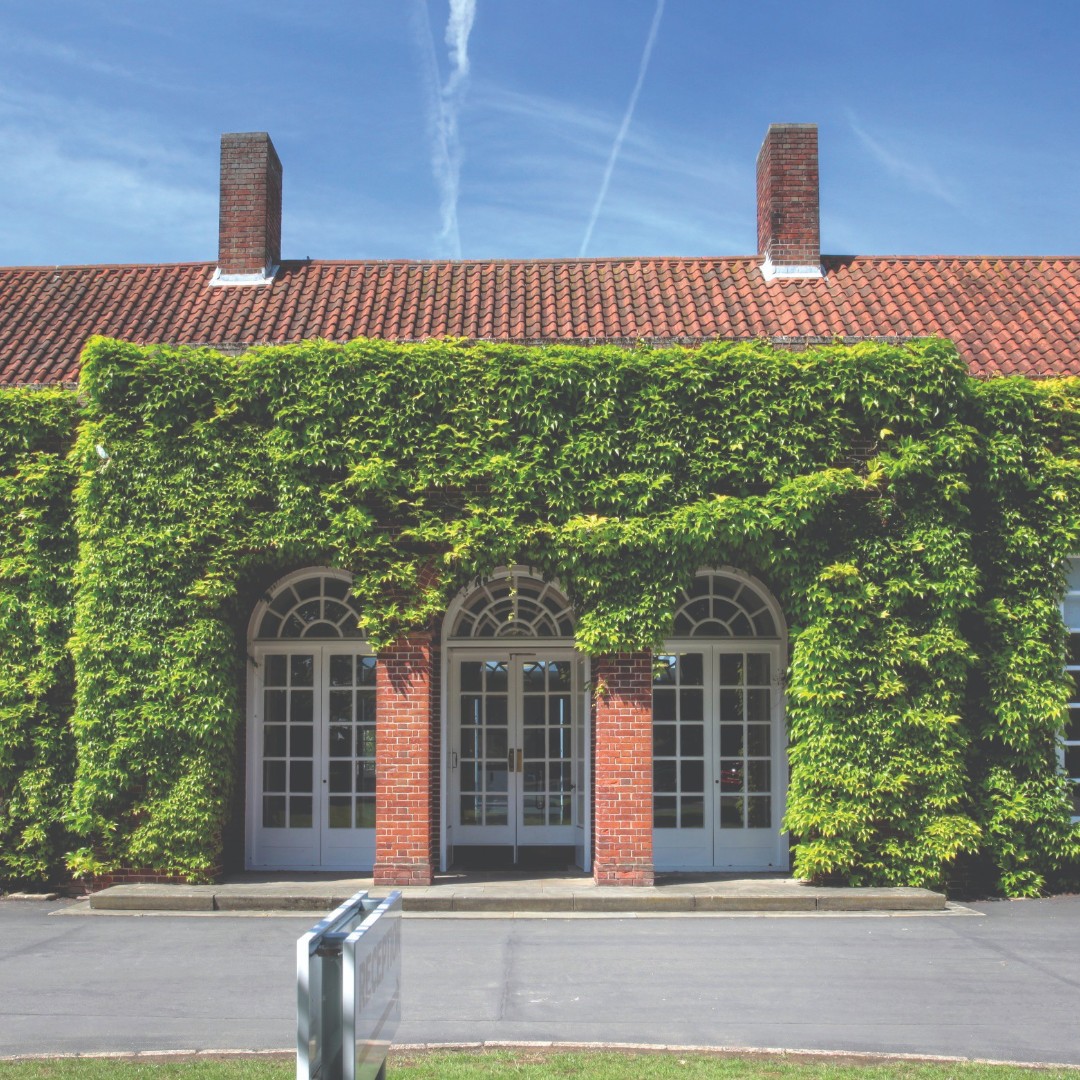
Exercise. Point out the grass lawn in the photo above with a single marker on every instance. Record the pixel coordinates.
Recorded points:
(531, 1065)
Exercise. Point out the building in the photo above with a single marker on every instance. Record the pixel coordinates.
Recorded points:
(485, 741)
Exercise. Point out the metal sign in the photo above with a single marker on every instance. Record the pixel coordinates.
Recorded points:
(348, 990)
(371, 991)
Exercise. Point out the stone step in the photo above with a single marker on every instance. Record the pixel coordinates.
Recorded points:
(715, 897)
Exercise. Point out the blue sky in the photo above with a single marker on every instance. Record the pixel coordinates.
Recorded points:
(536, 128)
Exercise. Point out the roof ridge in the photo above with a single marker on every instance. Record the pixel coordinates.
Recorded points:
(607, 260)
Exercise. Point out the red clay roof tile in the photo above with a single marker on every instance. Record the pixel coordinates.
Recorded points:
(1006, 315)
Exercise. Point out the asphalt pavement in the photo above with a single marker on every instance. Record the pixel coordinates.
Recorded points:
(1000, 983)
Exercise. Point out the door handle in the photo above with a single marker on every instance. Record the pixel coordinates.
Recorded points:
(510, 760)
(519, 761)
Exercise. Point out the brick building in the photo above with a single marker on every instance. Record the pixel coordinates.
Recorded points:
(488, 739)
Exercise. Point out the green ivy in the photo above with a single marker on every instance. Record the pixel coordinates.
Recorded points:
(910, 520)
(37, 554)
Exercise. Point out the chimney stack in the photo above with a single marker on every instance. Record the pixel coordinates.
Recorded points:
(789, 228)
(249, 229)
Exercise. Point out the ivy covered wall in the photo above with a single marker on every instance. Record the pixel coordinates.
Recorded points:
(37, 551)
(911, 521)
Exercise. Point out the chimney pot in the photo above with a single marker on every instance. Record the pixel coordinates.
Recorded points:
(249, 225)
(789, 227)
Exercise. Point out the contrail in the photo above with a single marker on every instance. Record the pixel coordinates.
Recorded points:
(446, 104)
(624, 128)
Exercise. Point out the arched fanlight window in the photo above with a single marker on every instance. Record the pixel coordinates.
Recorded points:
(315, 605)
(514, 605)
(724, 606)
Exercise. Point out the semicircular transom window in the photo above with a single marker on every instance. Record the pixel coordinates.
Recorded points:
(319, 606)
(718, 605)
(515, 607)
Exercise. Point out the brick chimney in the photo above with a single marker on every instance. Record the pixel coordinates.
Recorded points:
(249, 229)
(788, 210)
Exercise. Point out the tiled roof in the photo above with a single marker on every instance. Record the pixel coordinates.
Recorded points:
(1006, 315)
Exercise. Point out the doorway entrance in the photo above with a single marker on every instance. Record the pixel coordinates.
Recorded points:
(719, 746)
(517, 760)
(311, 730)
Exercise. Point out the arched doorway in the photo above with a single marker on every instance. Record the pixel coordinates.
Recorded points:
(719, 745)
(311, 728)
(515, 716)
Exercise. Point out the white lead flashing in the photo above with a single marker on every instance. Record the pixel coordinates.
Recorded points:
(770, 271)
(264, 277)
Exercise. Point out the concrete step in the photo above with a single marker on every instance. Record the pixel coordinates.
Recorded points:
(541, 896)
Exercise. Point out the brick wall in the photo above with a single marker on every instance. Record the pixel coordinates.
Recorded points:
(622, 765)
(789, 230)
(406, 827)
(249, 226)
(143, 877)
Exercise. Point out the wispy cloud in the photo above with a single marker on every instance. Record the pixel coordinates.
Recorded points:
(678, 194)
(905, 166)
(446, 101)
(624, 127)
(106, 186)
(82, 59)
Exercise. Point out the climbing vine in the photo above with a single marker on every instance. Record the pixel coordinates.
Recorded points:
(910, 520)
(37, 553)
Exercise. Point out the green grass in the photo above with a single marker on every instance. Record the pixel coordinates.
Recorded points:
(530, 1064)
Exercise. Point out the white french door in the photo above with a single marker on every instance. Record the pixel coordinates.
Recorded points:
(719, 757)
(311, 756)
(516, 748)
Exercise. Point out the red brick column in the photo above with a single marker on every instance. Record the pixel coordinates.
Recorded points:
(405, 767)
(622, 762)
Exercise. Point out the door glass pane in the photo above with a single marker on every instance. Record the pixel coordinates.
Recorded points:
(665, 740)
(495, 811)
(758, 815)
(678, 741)
(300, 776)
(274, 776)
(559, 674)
(302, 669)
(692, 811)
(483, 742)
(275, 671)
(341, 744)
(731, 812)
(341, 705)
(341, 671)
(546, 741)
(757, 740)
(758, 669)
(287, 747)
(495, 675)
(301, 707)
(365, 812)
(350, 741)
(273, 812)
(300, 812)
(339, 812)
(472, 677)
(276, 707)
(274, 740)
(744, 762)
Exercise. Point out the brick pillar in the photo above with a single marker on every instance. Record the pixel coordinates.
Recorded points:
(622, 816)
(405, 766)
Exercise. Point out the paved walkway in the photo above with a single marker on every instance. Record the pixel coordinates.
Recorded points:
(1000, 981)
(502, 893)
